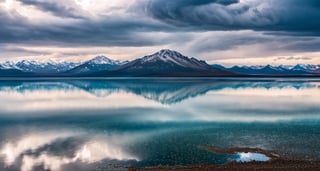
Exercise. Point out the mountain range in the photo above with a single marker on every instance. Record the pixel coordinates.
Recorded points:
(97, 64)
(165, 63)
(298, 69)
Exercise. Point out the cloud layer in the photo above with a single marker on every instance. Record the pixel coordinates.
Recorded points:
(198, 28)
(268, 15)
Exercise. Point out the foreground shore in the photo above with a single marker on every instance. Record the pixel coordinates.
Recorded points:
(276, 163)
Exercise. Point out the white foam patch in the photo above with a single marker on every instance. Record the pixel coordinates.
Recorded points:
(247, 157)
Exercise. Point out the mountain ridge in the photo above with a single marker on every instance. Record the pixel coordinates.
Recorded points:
(99, 63)
(299, 69)
(164, 63)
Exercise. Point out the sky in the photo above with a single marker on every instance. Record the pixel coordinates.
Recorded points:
(229, 32)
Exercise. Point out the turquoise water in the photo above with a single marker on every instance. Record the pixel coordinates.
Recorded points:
(83, 124)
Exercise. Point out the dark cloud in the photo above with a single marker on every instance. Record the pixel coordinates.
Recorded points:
(12, 26)
(113, 31)
(269, 15)
(182, 12)
(286, 22)
(58, 8)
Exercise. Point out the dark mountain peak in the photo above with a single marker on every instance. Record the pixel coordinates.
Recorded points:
(268, 66)
(299, 67)
(218, 66)
(236, 67)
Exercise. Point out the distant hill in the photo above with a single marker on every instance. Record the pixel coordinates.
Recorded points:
(273, 70)
(33, 66)
(13, 73)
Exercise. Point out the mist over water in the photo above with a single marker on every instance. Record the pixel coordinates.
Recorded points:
(62, 125)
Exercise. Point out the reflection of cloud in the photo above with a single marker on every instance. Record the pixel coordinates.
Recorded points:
(96, 151)
(51, 163)
(247, 106)
(12, 150)
(271, 92)
(53, 100)
(90, 153)
(31, 152)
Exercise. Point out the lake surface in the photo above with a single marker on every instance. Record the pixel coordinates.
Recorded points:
(84, 124)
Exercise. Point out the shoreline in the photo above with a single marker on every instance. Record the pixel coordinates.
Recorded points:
(271, 154)
(276, 163)
(273, 165)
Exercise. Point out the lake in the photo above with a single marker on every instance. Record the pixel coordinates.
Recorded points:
(86, 124)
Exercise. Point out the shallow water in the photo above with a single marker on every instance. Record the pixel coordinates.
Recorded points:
(83, 124)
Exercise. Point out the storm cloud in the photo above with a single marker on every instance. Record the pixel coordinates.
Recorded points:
(201, 26)
(268, 15)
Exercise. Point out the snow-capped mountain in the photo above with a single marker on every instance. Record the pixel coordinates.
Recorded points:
(33, 66)
(307, 67)
(166, 63)
(99, 63)
(8, 65)
(173, 58)
(96, 64)
(100, 60)
(274, 70)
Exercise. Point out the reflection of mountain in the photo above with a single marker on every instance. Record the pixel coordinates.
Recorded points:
(53, 150)
(165, 91)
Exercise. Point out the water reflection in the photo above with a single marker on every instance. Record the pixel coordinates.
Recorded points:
(53, 150)
(162, 91)
(165, 100)
(81, 124)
